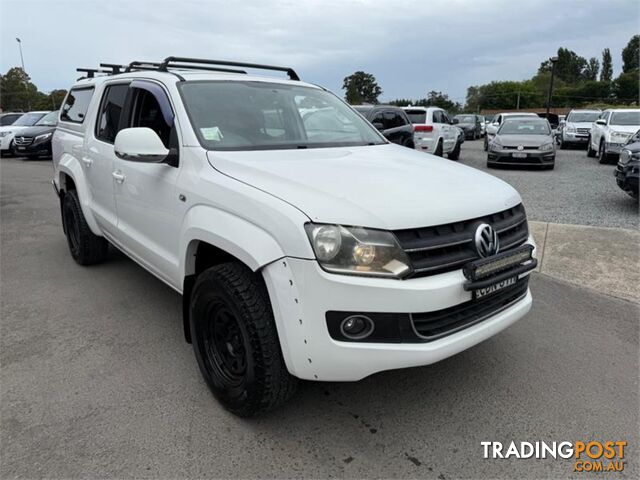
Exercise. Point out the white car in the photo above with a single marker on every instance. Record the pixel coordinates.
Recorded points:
(434, 131)
(8, 132)
(497, 120)
(611, 131)
(301, 251)
(574, 129)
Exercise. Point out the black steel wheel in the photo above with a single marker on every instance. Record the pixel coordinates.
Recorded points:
(235, 341)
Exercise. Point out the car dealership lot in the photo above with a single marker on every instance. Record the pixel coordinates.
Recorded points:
(579, 190)
(98, 381)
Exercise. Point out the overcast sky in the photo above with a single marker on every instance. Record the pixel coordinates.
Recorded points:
(410, 46)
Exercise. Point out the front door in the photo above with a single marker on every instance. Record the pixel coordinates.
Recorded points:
(146, 196)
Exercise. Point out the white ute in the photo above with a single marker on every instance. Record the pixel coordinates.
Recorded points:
(314, 251)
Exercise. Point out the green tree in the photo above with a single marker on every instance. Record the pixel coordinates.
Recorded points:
(361, 87)
(569, 66)
(442, 100)
(631, 55)
(590, 72)
(16, 91)
(626, 87)
(606, 74)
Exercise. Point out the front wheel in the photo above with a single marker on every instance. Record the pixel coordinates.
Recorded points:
(590, 151)
(235, 341)
(486, 143)
(602, 154)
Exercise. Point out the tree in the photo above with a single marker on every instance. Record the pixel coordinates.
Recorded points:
(569, 66)
(16, 90)
(590, 72)
(631, 55)
(606, 74)
(442, 100)
(626, 86)
(361, 87)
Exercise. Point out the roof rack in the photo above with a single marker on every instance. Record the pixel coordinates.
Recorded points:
(183, 63)
(169, 62)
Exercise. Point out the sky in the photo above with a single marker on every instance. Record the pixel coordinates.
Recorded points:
(411, 47)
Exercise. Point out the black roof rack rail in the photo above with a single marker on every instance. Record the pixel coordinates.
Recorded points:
(170, 62)
(156, 66)
(91, 72)
(115, 68)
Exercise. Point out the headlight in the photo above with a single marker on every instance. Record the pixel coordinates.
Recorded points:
(625, 156)
(4, 134)
(358, 251)
(570, 128)
(546, 146)
(42, 137)
(619, 137)
(495, 146)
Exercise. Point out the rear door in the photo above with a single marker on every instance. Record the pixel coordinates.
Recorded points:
(99, 156)
(393, 126)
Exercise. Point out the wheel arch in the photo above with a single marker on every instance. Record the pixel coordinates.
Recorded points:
(70, 175)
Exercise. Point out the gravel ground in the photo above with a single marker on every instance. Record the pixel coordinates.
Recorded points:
(579, 190)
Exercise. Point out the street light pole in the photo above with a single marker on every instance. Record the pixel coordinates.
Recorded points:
(553, 72)
(21, 57)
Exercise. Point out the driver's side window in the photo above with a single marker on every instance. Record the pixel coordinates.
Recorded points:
(147, 113)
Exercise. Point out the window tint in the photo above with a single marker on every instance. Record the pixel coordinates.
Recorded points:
(393, 119)
(9, 118)
(147, 113)
(438, 117)
(76, 105)
(379, 118)
(108, 124)
(417, 116)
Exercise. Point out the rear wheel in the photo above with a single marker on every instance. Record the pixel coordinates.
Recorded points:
(438, 150)
(408, 142)
(235, 341)
(85, 247)
(590, 151)
(455, 153)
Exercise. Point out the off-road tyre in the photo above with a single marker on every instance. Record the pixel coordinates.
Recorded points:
(86, 248)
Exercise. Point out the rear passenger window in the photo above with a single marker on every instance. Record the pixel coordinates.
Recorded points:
(437, 117)
(76, 105)
(108, 124)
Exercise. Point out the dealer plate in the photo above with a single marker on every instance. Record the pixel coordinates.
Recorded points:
(519, 155)
(496, 287)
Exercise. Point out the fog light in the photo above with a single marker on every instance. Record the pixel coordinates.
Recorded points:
(356, 327)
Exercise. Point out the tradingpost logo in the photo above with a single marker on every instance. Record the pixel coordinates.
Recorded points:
(591, 456)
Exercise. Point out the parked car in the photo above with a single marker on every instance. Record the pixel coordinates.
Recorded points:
(523, 141)
(610, 132)
(391, 121)
(300, 251)
(497, 120)
(483, 125)
(470, 124)
(33, 142)
(574, 130)
(434, 131)
(8, 118)
(8, 132)
(628, 168)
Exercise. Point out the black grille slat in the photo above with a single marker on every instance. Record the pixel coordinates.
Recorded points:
(433, 325)
(444, 248)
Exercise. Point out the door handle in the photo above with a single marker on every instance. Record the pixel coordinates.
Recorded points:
(118, 176)
(87, 161)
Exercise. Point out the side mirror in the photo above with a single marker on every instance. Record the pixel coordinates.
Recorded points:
(601, 121)
(378, 125)
(140, 144)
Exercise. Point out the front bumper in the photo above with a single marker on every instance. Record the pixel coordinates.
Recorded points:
(41, 148)
(5, 142)
(627, 176)
(568, 137)
(613, 148)
(534, 157)
(302, 294)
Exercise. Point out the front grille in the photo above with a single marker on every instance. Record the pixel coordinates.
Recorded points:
(584, 131)
(448, 247)
(434, 325)
(516, 147)
(22, 141)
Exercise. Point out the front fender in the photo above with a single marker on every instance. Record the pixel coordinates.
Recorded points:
(244, 240)
(70, 165)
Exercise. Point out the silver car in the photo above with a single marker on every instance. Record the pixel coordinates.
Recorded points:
(574, 130)
(523, 141)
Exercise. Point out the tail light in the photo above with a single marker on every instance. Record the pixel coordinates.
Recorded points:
(423, 128)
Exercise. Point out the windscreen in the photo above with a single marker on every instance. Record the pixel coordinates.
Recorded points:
(28, 119)
(625, 118)
(577, 117)
(49, 120)
(466, 118)
(230, 115)
(416, 116)
(524, 127)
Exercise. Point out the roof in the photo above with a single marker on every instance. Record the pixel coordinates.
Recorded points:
(424, 109)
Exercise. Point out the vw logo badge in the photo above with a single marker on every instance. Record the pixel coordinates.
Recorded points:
(520, 147)
(486, 240)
